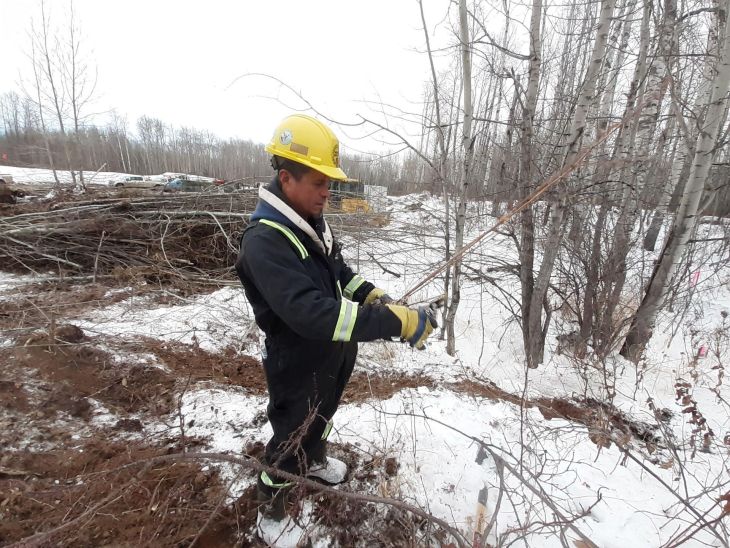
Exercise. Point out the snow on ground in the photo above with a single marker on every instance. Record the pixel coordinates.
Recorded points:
(30, 175)
(9, 281)
(438, 469)
(437, 466)
(214, 321)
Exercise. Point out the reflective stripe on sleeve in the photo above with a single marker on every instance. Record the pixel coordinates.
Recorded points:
(271, 483)
(290, 236)
(350, 288)
(346, 321)
(339, 289)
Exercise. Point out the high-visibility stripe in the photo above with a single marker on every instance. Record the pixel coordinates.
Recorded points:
(350, 288)
(346, 321)
(327, 430)
(271, 483)
(339, 289)
(290, 235)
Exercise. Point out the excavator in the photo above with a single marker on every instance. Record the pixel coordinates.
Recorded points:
(348, 196)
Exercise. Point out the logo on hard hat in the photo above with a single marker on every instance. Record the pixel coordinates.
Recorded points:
(336, 156)
(285, 137)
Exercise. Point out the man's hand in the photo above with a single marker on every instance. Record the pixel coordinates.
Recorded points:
(378, 296)
(416, 324)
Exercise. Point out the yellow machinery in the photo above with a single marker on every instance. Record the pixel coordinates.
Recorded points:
(348, 196)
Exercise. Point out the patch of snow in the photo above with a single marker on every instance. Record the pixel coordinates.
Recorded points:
(228, 419)
(213, 322)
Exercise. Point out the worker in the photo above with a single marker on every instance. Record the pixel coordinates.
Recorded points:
(312, 309)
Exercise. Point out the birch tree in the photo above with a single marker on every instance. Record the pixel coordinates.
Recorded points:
(51, 94)
(467, 142)
(441, 153)
(535, 288)
(685, 221)
(688, 123)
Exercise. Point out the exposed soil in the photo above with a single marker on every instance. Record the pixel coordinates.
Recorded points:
(71, 373)
(68, 471)
(62, 470)
(364, 386)
(106, 494)
(226, 367)
(604, 422)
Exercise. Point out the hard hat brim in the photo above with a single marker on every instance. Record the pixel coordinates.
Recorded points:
(332, 172)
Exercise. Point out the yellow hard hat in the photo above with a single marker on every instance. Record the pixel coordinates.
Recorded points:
(308, 141)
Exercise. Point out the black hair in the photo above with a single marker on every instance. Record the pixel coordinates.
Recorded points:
(295, 168)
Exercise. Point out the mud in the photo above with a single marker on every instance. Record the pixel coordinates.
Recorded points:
(365, 386)
(604, 421)
(67, 471)
(111, 496)
(56, 467)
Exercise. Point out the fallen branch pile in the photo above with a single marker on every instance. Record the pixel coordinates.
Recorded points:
(157, 237)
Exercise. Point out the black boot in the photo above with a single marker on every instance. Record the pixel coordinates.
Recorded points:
(272, 502)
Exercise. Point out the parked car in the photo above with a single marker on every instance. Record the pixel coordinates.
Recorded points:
(180, 184)
(174, 185)
(135, 181)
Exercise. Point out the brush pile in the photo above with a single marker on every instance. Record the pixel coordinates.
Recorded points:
(156, 237)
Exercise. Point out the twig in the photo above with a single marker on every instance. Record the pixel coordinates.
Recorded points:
(39, 538)
(96, 259)
(381, 266)
(251, 463)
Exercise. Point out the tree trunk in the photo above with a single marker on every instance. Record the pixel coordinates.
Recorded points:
(533, 321)
(468, 151)
(442, 152)
(685, 148)
(644, 320)
(530, 337)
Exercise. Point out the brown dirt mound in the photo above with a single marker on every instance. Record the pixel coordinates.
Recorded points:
(603, 420)
(363, 387)
(108, 502)
(227, 367)
(71, 373)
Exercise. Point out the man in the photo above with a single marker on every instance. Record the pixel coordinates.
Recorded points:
(312, 308)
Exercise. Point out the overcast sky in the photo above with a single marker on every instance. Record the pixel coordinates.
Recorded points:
(179, 60)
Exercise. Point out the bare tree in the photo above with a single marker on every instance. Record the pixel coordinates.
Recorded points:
(77, 81)
(464, 175)
(51, 96)
(676, 246)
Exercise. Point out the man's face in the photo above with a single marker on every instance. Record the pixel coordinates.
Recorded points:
(309, 194)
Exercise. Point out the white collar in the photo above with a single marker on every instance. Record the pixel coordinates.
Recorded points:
(283, 208)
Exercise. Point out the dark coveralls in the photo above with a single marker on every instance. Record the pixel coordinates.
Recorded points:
(307, 302)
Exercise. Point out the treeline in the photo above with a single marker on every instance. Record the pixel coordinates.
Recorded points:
(154, 147)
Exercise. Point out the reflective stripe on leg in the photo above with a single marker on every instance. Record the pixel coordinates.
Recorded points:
(271, 483)
(327, 430)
